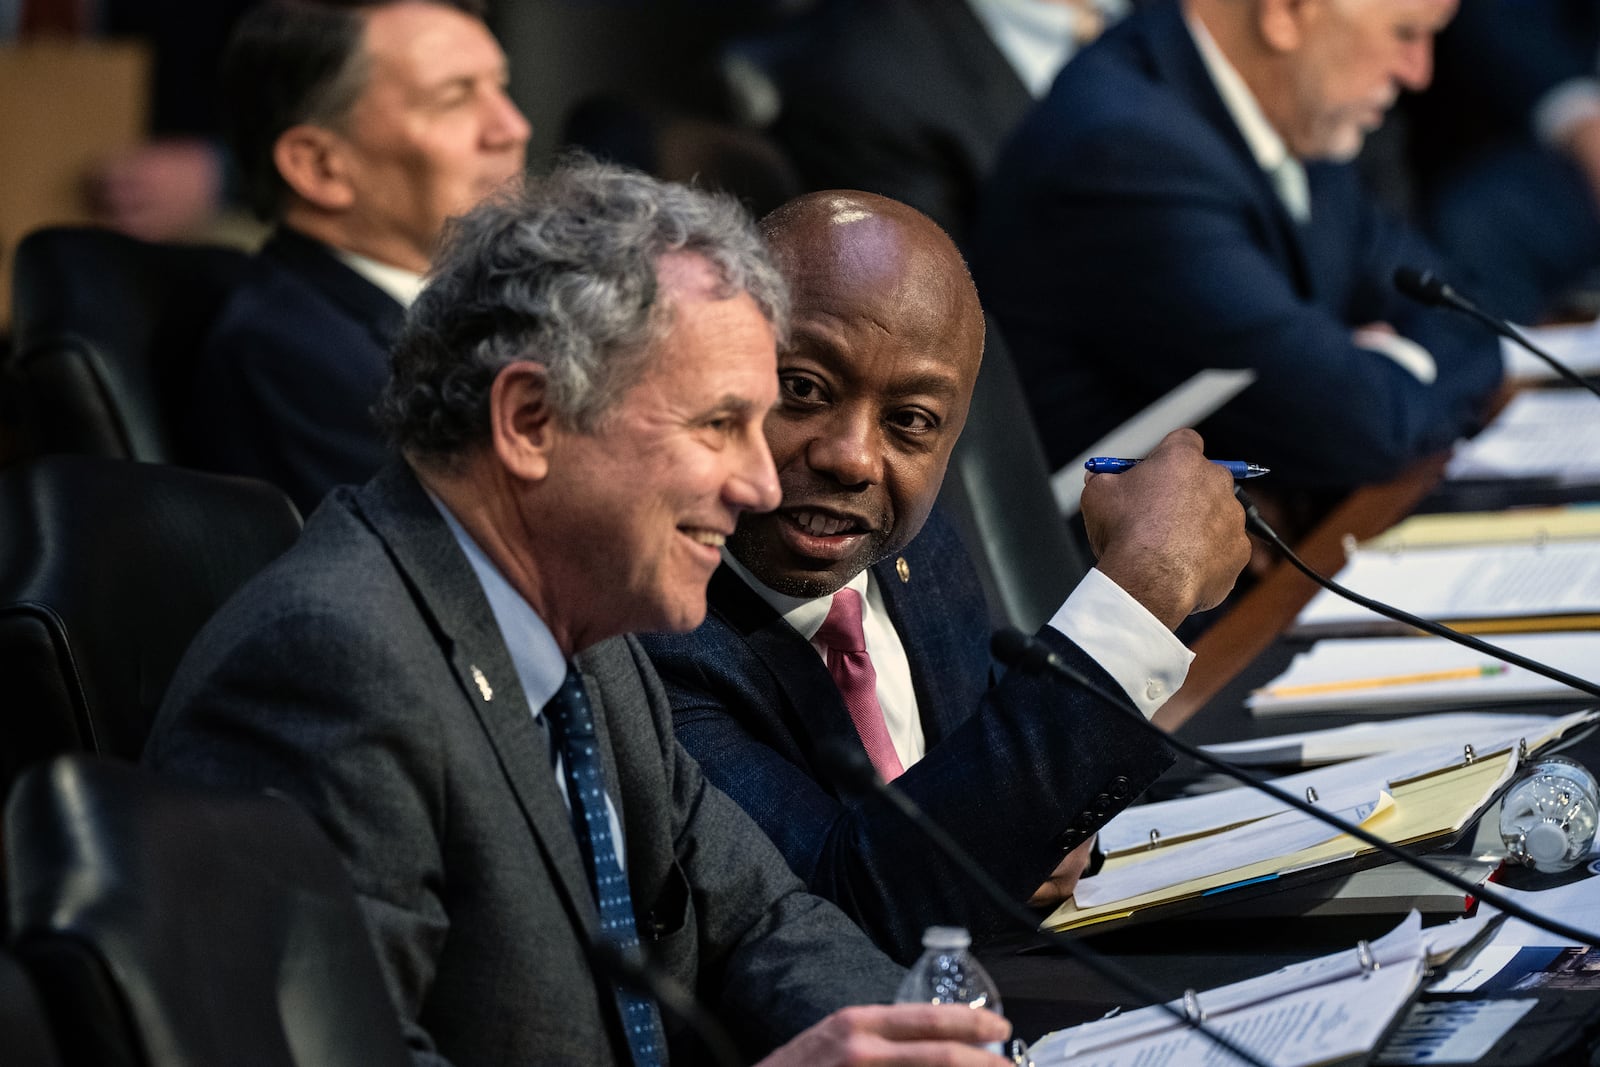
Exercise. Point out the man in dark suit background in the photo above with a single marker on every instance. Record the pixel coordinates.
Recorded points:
(359, 129)
(435, 670)
(913, 98)
(875, 386)
(1180, 201)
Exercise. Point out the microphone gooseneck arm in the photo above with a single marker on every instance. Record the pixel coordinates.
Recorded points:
(1261, 528)
(851, 766)
(1426, 287)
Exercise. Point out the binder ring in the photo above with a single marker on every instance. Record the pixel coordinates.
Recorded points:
(1311, 794)
(1468, 754)
(1364, 958)
(1155, 837)
(1191, 1007)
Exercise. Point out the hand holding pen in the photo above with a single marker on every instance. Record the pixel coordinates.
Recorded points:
(1236, 467)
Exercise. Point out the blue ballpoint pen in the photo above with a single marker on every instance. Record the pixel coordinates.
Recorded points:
(1236, 467)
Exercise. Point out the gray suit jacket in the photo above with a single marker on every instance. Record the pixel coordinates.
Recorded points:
(363, 675)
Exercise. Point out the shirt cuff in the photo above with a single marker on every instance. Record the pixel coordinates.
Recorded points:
(1140, 654)
(1574, 101)
(1417, 361)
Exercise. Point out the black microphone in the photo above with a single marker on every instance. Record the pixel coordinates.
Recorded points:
(1426, 287)
(1025, 652)
(852, 769)
(633, 970)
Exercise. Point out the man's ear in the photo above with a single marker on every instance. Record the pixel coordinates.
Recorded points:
(522, 424)
(1283, 22)
(311, 161)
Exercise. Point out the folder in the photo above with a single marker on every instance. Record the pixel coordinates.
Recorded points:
(1430, 811)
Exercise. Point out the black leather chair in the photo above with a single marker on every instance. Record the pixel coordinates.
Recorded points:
(167, 925)
(24, 1033)
(106, 329)
(109, 569)
(998, 492)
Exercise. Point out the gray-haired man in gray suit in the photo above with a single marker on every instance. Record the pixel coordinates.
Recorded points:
(436, 670)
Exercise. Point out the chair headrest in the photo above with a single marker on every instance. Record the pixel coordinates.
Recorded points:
(225, 918)
(113, 566)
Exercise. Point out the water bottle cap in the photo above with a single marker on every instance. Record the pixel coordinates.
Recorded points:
(947, 938)
(1546, 843)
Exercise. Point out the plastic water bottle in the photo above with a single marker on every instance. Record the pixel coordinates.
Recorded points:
(1547, 819)
(948, 974)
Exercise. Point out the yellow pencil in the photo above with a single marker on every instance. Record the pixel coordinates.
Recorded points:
(1313, 688)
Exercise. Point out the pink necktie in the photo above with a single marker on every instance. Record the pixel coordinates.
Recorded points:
(852, 672)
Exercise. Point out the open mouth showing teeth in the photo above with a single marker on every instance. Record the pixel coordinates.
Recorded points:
(817, 524)
(706, 537)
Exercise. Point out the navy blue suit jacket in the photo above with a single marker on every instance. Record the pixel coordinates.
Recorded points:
(289, 374)
(1018, 770)
(1128, 239)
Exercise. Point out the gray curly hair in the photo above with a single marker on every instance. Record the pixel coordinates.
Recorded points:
(563, 271)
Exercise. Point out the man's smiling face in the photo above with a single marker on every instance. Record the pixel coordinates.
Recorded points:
(873, 388)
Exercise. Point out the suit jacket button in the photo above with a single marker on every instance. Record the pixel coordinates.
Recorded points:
(1102, 804)
(1121, 788)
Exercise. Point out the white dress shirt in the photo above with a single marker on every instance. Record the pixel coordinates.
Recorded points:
(1139, 653)
(402, 284)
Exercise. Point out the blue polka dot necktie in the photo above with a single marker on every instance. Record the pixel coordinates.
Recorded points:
(572, 728)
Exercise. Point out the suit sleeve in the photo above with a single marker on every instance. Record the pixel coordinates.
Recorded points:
(285, 395)
(1032, 773)
(1135, 243)
(772, 958)
(343, 754)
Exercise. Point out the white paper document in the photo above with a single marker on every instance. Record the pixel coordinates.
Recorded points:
(1454, 1031)
(1398, 674)
(1313, 1012)
(1578, 346)
(1187, 405)
(1465, 582)
(1174, 820)
(1542, 433)
(1280, 835)
(1310, 748)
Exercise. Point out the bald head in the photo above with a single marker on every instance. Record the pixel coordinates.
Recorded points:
(853, 252)
(874, 386)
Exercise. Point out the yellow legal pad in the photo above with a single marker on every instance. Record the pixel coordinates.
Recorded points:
(1433, 806)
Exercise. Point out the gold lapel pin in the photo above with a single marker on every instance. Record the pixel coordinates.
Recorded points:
(903, 569)
(483, 683)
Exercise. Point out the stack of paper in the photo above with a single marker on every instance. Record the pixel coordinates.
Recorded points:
(1187, 818)
(1315, 1012)
(1542, 433)
(1485, 731)
(1436, 806)
(1488, 588)
(1164, 856)
(1400, 674)
(1518, 526)
(1577, 346)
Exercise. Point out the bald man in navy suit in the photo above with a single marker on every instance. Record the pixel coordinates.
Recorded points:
(874, 387)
